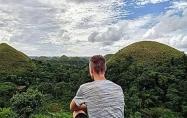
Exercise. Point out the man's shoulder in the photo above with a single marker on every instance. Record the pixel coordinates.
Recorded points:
(114, 84)
(86, 84)
(95, 83)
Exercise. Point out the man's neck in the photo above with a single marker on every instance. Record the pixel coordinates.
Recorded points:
(99, 77)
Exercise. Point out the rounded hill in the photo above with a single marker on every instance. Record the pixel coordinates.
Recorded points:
(108, 56)
(146, 52)
(13, 60)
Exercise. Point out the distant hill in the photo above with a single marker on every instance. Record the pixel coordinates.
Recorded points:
(108, 56)
(146, 52)
(13, 60)
(63, 58)
(75, 59)
(42, 58)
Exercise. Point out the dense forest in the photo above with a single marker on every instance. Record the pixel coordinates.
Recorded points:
(155, 88)
(45, 91)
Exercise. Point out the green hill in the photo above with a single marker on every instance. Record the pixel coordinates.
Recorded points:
(146, 52)
(108, 56)
(13, 60)
(75, 59)
(63, 58)
(42, 58)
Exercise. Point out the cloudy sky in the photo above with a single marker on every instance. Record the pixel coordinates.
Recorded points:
(88, 27)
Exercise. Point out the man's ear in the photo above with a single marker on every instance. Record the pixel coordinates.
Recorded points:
(92, 70)
(91, 73)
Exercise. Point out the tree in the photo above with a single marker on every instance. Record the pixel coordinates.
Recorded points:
(7, 89)
(7, 113)
(61, 88)
(45, 88)
(167, 114)
(26, 103)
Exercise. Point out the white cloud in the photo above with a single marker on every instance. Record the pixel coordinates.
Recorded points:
(80, 20)
(179, 5)
(167, 23)
(124, 30)
(8, 22)
(171, 27)
(179, 41)
(144, 2)
(176, 40)
(112, 34)
(87, 27)
(82, 1)
(106, 48)
(64, 24)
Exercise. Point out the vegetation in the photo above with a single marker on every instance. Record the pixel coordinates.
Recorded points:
(154, 90)
(13, 60)
(26, 103)
(147, 53)
(108, 56)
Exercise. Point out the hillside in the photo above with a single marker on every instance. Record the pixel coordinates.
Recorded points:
(146, 52)
(108, 56)
(153, 77)
(157, 91)
(63, 58)
(13, 60)
(75, 59)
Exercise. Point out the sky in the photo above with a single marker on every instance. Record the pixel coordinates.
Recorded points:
(89, 27)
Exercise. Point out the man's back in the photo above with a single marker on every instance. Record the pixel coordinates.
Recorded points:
(103, 98)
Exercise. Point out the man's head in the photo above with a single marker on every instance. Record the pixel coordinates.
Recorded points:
(97, 65)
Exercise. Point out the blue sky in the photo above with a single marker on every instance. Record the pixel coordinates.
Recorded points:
(88, 27)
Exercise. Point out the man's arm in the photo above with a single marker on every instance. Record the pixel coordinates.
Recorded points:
(74, 107)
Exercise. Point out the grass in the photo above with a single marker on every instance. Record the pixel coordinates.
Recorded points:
(52, 115)
(147, 52)
(108, 56)
(13, 60)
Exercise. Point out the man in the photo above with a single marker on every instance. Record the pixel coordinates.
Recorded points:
(100, 98)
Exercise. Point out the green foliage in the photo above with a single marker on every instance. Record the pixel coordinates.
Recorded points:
(54, 107)
(184, 110)
(61, 88)
(7, 113)
(108, 56)
(45, 88)
(152, 112)
(63, 58)
(167, 114)
(136, 115)
(38, 116)
(54, 115)
(43, 58)
(155, 89)
(26, 103)
(151, 89)
(7, 89)
(75, 59)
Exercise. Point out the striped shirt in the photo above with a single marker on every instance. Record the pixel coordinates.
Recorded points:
(103, 98)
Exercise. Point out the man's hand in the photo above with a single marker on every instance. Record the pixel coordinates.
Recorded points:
(74, 107)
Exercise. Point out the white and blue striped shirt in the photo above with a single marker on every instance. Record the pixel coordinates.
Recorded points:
(103, 98)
